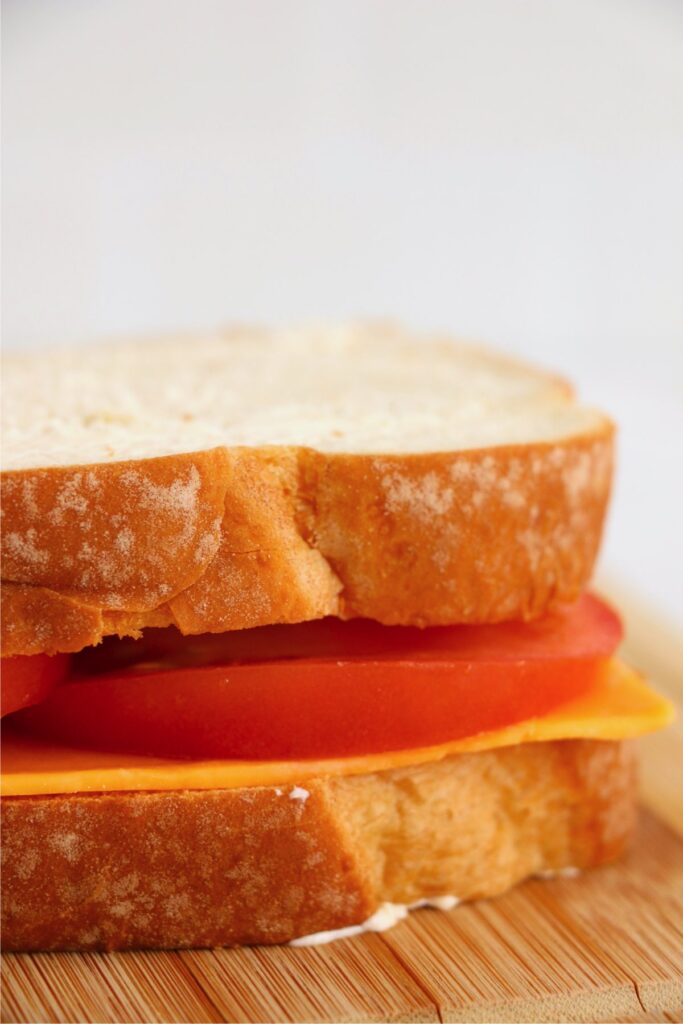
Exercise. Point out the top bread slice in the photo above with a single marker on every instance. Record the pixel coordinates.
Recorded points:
(251, 477)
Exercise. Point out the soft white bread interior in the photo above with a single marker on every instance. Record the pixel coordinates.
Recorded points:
(365, 389)
(207, 868)
(233, 481)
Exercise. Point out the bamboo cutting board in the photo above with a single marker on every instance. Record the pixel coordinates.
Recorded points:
(607, 946)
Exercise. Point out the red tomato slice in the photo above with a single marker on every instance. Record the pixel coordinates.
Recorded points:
(28, 680)
(324, 689)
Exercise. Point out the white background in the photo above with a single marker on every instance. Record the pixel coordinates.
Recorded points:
(510, 170)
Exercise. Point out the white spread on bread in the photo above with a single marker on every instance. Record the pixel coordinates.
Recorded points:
(386, 916)
(389, 914)
(550, 873)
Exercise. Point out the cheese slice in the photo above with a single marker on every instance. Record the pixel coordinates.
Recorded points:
(620, 706)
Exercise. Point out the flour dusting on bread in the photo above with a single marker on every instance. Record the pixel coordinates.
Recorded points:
(253, 477)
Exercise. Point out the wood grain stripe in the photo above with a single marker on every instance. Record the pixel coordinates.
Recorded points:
(352, 980)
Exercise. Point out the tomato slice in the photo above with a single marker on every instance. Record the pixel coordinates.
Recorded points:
(324, 689)
(589, 628)
(28, 680)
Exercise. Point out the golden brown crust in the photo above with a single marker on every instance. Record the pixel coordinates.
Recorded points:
(114, 871)
(233, 538)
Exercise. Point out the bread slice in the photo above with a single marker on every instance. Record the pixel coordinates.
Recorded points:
(266, 865)
(250, 477)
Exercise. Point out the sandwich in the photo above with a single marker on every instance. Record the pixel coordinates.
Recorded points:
(297, 637)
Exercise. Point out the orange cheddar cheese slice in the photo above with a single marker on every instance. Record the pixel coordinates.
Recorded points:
(620, 706)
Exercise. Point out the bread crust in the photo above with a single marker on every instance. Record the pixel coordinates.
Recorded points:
(262, 865)
(233, 538)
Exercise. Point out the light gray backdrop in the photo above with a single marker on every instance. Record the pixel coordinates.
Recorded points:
(510, 170)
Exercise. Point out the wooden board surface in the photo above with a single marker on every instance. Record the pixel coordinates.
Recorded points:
(607, 946)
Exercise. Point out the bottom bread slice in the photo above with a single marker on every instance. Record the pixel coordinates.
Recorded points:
(199, 868)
